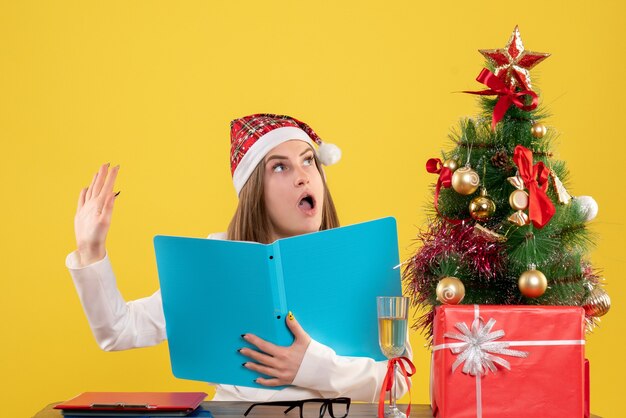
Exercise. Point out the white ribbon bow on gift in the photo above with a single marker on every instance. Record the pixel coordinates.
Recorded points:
(479, 346)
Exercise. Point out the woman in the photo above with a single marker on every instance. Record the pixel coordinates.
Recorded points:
(282, 193)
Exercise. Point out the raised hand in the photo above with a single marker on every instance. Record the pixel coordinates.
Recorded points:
(282, 363)
(93, 215)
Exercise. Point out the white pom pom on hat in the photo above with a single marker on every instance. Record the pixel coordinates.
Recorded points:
(252, 137)
(329, 154)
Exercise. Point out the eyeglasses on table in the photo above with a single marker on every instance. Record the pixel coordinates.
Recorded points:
(336, 407)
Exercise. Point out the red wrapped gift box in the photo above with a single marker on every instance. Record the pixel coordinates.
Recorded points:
(542, 346)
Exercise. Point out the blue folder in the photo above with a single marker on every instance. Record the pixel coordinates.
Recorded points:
(213, 291)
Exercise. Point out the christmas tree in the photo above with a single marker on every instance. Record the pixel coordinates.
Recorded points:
(503, 229)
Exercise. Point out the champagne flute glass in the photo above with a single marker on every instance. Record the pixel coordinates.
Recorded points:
(392, 331)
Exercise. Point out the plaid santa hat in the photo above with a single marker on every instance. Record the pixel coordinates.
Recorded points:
(252, 137)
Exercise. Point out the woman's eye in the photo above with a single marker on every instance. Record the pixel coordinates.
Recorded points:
(309, 161)
(277, 168)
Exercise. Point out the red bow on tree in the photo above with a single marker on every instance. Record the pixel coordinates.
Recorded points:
(389, 379)
(435, 166)
(540, 207)
(508, 96)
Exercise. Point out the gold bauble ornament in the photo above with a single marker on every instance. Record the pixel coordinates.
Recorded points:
(465, 181)
(451, 164)
(538, 130)
(482, 207)
(450, 290)
(597, 303)
(532, 283)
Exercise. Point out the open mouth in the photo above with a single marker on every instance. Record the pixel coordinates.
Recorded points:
(307, 203)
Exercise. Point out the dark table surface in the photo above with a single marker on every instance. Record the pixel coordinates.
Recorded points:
(236, 409)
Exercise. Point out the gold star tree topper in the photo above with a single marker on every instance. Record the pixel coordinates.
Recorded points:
(512, 63)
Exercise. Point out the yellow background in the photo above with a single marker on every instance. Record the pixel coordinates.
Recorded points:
(152, 85)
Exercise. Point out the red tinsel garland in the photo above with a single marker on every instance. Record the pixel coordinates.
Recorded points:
(440, 241)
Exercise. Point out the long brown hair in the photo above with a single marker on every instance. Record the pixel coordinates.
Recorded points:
(251, 221)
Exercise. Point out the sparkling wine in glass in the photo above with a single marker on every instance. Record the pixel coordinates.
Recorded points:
(392, 333)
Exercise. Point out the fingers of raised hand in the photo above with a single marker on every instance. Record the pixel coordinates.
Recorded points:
(100, 178)
(102, 182)
(101, 188)
(90, 188)
(107, 209)
(81, 199)
(110, 181)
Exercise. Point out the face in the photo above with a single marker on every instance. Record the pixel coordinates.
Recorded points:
(294, 191)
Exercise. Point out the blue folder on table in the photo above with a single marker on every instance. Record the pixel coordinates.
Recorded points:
(214, 290)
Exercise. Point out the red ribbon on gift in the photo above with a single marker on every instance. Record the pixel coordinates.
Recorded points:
(508, 96)
(540, 207)
(390, 378)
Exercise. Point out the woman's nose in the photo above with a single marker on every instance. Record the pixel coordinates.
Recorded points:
(302, 177)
